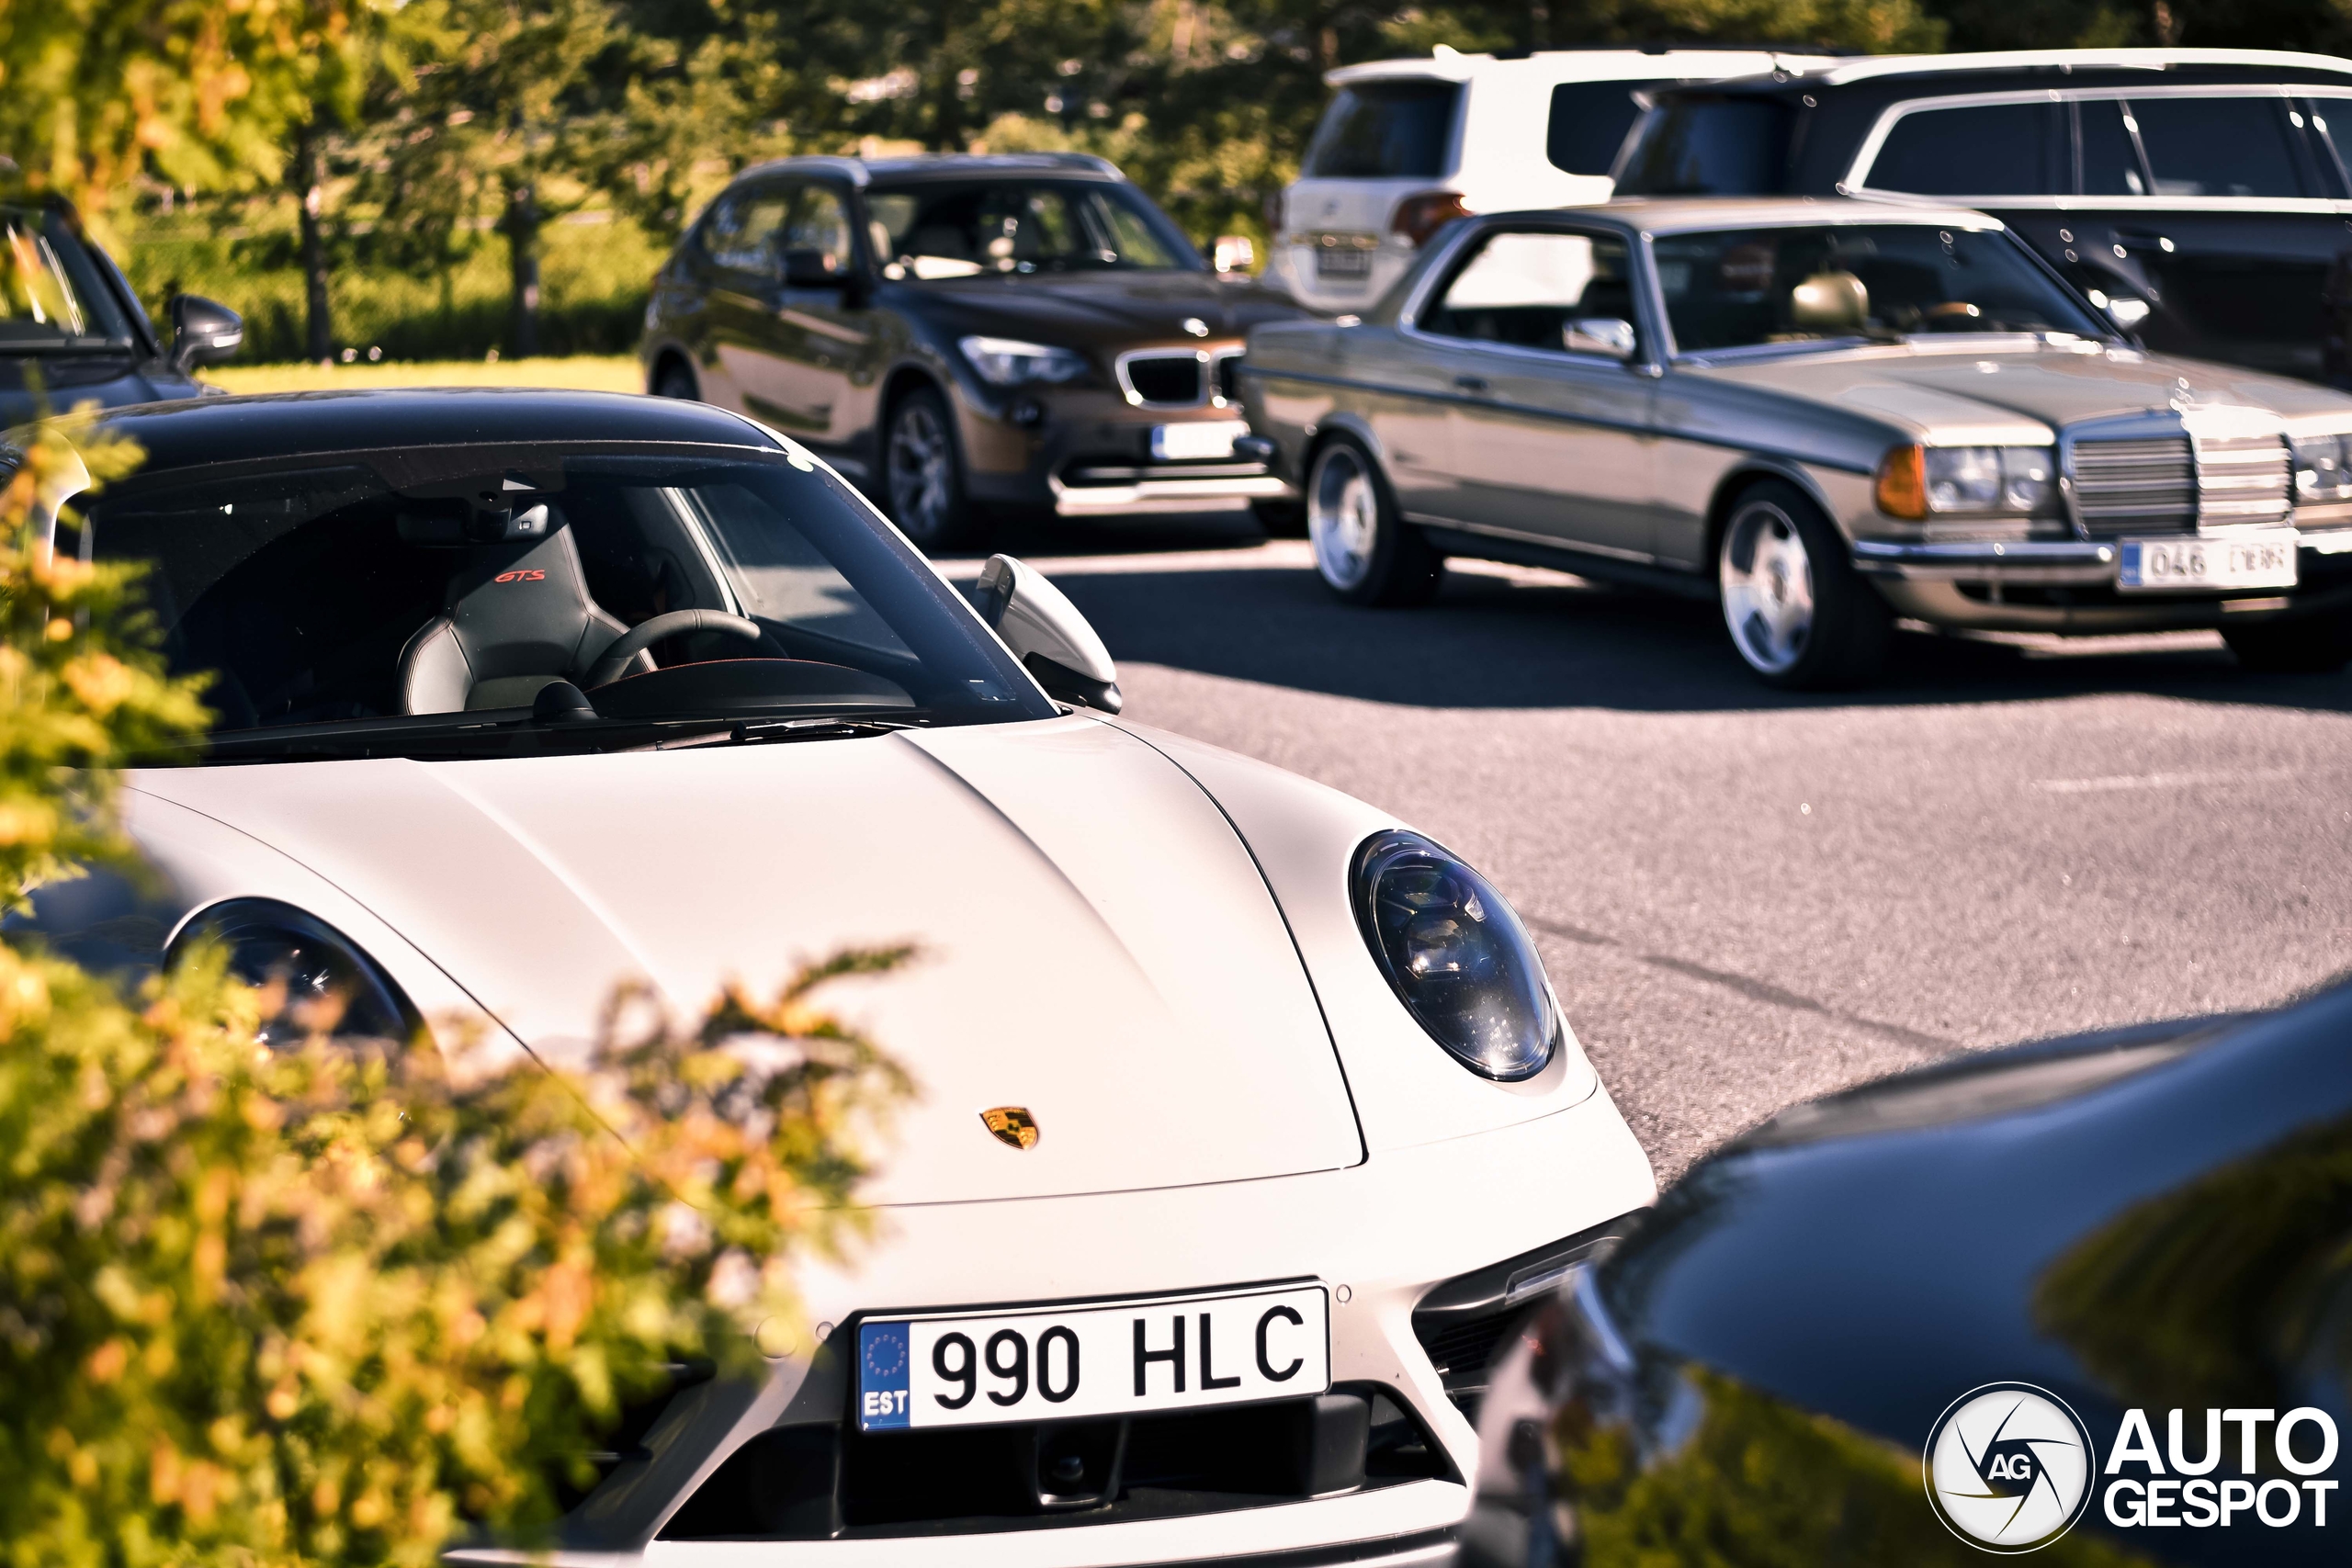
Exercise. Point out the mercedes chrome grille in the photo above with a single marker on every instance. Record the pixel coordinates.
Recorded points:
(2176, 480)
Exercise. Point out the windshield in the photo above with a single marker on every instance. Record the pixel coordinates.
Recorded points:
(400, 599)
(50, 294)
(935, 229)
(1744, 286)
(1709, 147)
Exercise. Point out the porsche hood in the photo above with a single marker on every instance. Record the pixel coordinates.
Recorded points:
(1098, 948)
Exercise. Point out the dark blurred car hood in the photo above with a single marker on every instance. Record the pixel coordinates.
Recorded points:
(2129, 1220)
(110, 380)
(1098, 308)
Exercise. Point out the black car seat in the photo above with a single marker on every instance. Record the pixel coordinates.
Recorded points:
(516, 616)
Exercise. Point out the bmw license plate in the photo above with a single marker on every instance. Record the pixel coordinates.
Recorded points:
(1093, 1358)
(1201, 438)
(2264, 559)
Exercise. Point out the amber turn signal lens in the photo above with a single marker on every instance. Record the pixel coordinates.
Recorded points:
(1419, 217)
(1902, 483)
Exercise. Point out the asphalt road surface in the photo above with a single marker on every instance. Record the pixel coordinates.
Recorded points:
(1745, 897)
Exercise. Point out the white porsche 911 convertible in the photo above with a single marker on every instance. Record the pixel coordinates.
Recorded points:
(1247, 1119)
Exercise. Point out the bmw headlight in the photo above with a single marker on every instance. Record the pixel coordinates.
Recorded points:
(1458, 957)
(313, 979)
(1009, 362)
(2323, 466)
(1918, 481)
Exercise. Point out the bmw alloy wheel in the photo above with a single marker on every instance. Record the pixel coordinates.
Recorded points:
(1768, 587)
(922, 472)
(1342, 517)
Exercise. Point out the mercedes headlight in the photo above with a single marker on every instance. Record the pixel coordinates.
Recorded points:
(1920, 481)
(313, 979)
(2323, 466)
(1009, 362)
(1457, 956)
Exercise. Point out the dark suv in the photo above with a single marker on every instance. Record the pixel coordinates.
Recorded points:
(2201, 196)
(72, 331)
(967, 335)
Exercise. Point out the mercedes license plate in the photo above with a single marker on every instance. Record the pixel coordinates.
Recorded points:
(1201, 438)
(1093, 1358)
(2244, 560)
(1343, 261)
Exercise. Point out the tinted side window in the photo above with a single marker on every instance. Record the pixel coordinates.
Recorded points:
(2110, 156)
(1385, 130)
(1975, 150)
(1588, 123)
(1710, 147)
(818, 221)
(1524, 288)
(2218, 147)
(738, 231)
(2331, 123)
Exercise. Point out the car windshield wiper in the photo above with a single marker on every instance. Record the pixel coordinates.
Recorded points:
(837, 727)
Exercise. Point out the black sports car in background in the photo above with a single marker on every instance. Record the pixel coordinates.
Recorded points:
(2103, 1281)
(967, 335)
(72, 331)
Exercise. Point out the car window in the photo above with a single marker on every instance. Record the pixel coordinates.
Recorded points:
(937, 228)
(740, 232)
(1710, 147)
(52, 292)
(1588, 123)
(305, 590)
(1525, 288)
(2219, 146)
(1380, 130)
(2110, 153)
(1972, 150)
(2331, 123)
(1740, 288)
(817, 221)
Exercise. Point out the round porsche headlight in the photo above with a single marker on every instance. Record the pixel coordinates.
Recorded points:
(316, 979)
(1457, 956)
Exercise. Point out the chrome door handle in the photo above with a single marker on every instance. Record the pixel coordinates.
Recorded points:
(1471, 383)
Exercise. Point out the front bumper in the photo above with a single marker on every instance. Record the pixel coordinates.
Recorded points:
(1380, 1235)
(2069, 585)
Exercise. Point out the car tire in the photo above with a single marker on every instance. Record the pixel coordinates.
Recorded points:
(1798, 613)
(677, 379)
(1364, 550)
(2307, 644)
(923, 476)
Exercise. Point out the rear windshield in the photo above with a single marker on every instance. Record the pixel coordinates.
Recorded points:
(50, 293)
(1833, 284)
(1710, 147)
(1376, 130)
(931, 229)
(1590, 121)
(335, 593)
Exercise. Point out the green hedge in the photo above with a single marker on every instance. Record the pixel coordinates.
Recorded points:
(593, 281)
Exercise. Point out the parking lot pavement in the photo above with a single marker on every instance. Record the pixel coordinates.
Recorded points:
(1746, 897)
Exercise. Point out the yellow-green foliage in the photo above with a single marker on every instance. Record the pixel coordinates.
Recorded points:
(337, 1303)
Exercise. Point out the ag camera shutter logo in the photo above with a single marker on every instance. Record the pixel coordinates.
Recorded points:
(2009, 1467)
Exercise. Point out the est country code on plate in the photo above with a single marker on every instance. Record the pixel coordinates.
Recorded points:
(1093, 1358)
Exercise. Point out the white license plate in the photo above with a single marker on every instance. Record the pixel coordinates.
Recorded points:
(2246, 560)
(1343, 261)
(1203, 439)
(1057, 1363)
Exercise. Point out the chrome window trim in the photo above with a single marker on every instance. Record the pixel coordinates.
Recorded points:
(1646, 360)
(1857, 177)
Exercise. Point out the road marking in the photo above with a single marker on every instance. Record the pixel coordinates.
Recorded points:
(2160, 781)
(1754, 990)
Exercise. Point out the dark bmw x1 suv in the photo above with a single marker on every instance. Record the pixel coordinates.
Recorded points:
(2202, 196)
(965, 336)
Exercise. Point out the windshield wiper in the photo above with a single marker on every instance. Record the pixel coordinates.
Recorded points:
(815, 729)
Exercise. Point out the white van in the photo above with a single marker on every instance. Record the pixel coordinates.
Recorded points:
(1407, 144)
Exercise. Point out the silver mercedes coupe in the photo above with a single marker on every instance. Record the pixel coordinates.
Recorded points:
(1831, 414)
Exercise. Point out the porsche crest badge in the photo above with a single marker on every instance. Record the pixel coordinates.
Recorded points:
(1013, 1125)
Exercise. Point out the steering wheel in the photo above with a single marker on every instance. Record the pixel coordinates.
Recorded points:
(646, 633)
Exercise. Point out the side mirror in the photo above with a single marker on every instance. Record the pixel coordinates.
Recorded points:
(203, 332)
(1048, 635)
(1598, 334)
(812, 269)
